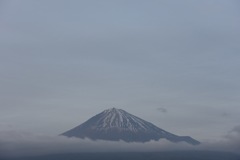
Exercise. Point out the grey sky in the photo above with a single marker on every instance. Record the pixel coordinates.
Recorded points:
(62, 62)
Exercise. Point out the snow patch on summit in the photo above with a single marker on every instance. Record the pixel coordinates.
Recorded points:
(121, 119)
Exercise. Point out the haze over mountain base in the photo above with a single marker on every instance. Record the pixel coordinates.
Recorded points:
(21, 144)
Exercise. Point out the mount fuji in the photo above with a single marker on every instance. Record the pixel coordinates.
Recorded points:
(116, 124)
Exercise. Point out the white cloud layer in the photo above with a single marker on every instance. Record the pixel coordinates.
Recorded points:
(15, 143)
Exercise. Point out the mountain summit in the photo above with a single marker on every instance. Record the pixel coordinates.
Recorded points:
(116, 124)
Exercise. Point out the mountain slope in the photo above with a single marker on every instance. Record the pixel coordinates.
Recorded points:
(116, 124)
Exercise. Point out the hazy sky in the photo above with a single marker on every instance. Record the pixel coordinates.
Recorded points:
(173, 63)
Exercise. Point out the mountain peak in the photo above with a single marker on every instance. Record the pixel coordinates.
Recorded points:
(112, 110)
(116, 124)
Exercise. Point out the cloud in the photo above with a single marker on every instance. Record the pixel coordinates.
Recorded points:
(236, 130)
(18, 144)
(224, 114)
(230, 142)
(234, 136)
(163, 110)
(26, 144)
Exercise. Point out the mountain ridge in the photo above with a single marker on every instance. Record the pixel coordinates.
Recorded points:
(116, 124)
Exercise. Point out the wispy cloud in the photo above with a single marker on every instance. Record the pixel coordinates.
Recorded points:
(161, 109)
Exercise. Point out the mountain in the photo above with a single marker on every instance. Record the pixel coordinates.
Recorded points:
(116, 124)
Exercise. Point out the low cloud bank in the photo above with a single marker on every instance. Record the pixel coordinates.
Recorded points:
(17, 144)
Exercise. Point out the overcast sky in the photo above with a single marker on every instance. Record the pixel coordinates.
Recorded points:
(173, 63)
